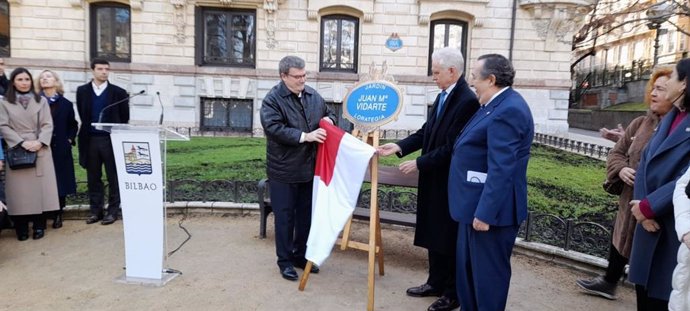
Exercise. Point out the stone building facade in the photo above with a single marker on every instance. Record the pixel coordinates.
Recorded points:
(613, 61)
(212, 61)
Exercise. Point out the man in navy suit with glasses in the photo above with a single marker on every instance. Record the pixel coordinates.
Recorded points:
(487, 185)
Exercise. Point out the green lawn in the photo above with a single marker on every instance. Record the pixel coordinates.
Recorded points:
(566, 184)
(560, 183)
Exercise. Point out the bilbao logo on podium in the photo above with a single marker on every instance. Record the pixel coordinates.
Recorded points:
(137, 158)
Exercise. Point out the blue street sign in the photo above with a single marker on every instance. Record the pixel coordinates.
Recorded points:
(394, 43)
(373, 104)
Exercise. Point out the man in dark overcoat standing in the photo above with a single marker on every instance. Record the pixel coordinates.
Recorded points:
(435, 230)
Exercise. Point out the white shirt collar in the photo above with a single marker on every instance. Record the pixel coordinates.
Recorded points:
(496, 95)
(450, 88)
(99, 89)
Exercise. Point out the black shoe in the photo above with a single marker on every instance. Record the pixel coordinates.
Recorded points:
(38, 234)
(22, 236)
(424, 290)
(93, 219)
(289, 273)
(444, 304)
(314, 268)
(599, 286)
(57, 222)
(109, 219)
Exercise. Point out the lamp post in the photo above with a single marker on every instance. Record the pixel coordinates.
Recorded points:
(659, 31)
(658, 14)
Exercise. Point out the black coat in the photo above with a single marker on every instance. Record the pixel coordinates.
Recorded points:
(4, 84)
(115, 114)
(435, 229)
(64, 133)
(284, 119)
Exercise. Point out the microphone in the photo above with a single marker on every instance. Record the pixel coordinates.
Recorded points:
(100, 115)
(160, 122)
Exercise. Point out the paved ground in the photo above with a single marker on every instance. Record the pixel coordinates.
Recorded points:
(227, 267)
(591, 137)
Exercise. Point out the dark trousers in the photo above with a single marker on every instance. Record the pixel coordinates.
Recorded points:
(100, 153)
(483, 267)
(616, 267)
(292, 212)
(54, 214)
(646, 303)
(21, 222)
(442, 273)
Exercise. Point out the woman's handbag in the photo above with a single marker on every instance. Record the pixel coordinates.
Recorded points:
(615, 188)
(19, 158)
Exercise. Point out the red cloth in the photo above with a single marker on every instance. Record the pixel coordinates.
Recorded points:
(646, 209)
(341, 162)
(679, 118)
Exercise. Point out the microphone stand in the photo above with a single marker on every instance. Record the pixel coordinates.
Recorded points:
(100, 115)
(160, 121)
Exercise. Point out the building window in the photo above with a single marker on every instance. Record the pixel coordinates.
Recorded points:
(226, 37)
(4, 29)
(111, 35)
(448, 32)
(340, 121)
(226, 114)
(339, 43)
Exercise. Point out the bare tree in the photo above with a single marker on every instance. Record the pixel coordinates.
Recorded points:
(609, 17)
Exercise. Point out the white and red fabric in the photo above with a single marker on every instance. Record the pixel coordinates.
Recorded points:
(341, 162)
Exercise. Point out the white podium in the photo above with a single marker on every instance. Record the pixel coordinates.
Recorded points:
(140, 154)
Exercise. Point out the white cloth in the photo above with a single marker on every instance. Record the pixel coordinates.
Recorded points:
(680, 296)
(341, 163)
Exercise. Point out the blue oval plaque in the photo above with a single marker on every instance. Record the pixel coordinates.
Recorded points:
(394, 42)
(373, 104)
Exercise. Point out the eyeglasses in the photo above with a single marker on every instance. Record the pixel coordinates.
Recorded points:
(298, 77)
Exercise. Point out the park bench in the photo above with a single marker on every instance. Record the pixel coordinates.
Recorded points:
(389, 199)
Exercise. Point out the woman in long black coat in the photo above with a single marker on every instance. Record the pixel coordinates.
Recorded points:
(64, 131)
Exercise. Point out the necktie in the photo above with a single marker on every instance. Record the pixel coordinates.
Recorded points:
(441, 101)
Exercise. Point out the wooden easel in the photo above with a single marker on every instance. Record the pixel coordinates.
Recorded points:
(374, 247)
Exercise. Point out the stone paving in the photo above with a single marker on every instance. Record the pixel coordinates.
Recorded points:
(227, 267)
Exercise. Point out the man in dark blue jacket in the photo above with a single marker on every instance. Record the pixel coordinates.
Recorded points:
(487, 185)
(97, 99)
(290, 115)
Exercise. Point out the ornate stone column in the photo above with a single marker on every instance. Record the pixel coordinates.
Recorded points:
(556, 20)
(270, 8)
(180, 19)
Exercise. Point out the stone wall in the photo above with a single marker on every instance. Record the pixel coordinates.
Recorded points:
(596, 119)
(55, 35)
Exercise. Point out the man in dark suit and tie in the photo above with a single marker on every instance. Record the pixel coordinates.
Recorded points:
(435, 230)
(487, 190)
(95, 99)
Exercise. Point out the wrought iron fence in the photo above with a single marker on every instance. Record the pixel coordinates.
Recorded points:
(190, 190)
(570, 234)
(584, 148)
(614, 76)
(580, 235)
